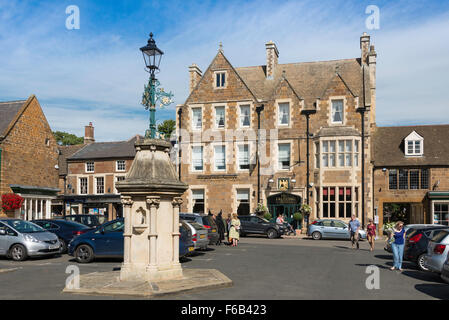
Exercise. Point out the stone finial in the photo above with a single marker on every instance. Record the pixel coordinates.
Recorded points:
(220, 47)
(127, 201)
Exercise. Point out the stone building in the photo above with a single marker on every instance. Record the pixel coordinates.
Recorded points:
(28, 158)
(229, 167)
(411, 174)
(89, 173)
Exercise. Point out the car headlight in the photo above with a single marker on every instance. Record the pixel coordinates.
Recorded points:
(31, 238)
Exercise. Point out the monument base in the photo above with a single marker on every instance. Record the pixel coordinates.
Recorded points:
(109, 283)
(142, 272)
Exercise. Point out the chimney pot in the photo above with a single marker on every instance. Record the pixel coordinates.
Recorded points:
(89, 134)
(272, 58)
(195, 76)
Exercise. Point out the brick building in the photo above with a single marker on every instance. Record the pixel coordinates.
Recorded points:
(411, 173)
(219, 139)
(88, 174)
(28, 157)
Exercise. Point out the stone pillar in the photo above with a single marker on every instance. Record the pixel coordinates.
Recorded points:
(176, 208)
(127, 205)
(41, 212)
(153, 204)
(36, 210)
(48, 214)
(25, 208)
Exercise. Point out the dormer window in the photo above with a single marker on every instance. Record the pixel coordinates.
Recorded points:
(414, 144)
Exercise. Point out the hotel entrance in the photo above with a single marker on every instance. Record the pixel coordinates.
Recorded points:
(284, 203)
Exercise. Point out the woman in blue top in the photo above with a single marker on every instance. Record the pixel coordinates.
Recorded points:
(398, 245)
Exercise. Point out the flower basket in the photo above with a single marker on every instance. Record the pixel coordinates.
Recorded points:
(11, 202)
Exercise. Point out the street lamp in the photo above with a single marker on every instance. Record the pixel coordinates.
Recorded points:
(152, 56)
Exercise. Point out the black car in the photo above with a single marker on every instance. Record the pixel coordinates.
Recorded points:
(416, 244)
(90, 220)
(65, 230)
(206, 221)
(257, 225)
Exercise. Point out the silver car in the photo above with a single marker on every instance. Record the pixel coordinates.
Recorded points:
(199, 235)
(445, 271)
(437, 252)
(331, 229)
(20, 239)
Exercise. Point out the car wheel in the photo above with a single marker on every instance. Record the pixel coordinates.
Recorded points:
(316, 235)
(63, 247)
(421, 264)
(271, 234)
(84, 254)
(18, 252)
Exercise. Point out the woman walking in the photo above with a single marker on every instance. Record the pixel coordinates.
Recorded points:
(398, 245)
(221, 227)
(371, 233)
(234, 232)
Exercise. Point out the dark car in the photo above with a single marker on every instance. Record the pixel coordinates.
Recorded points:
(65, 230)
(186, 244)
(257, 225)
(416, 244)
(206, 221)
(409, 228)
(90, 220)
(107, 241)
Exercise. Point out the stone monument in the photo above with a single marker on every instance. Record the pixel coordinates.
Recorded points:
(151, 201)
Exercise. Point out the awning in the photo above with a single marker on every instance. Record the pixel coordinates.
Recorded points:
(32, 190)
(438, 195)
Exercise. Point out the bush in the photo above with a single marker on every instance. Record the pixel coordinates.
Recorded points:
(267, 216)
(297, 216)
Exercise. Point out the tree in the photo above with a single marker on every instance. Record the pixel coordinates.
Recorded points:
(167, 127)
(67, 139)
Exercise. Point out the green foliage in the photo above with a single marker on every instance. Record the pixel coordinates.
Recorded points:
(297, 216)
(268, 216)
(261, 210)
(306, 209)
(67, 139)
(167, 127)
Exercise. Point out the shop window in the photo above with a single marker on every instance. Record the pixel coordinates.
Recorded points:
(441, 213)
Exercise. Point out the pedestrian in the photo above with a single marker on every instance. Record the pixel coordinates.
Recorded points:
(280, 219)
(228, 227)
(398, 238)
(234, 232)
(220, 226)
(371, 233)
(354, 227)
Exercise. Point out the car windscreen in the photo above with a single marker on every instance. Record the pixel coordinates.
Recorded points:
(24, 226)
(440, 236)
(71, 224)
(188, 218)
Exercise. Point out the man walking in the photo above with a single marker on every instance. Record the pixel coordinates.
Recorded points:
(354, 227)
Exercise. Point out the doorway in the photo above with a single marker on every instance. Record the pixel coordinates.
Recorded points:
(284, 203)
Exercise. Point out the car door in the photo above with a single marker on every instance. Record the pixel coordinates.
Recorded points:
(328, 229)
(341, 230)
(7, 239)
(245, 224)
(112, 239)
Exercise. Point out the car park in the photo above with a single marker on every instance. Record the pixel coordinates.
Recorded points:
(199, 234)
(257, 225)
(90, 220)
(64, 229)
(206, 221)
(416, 243)
(21, 239)
(331, 229)
(437, 252)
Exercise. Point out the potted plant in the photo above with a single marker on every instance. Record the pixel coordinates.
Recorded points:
(298, 218)
(261, 210)
(11, 202)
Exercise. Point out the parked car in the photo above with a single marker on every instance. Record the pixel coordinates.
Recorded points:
(331, 229)
(409, 228)
(21, 239)
(206, 221)
(90, 220)
(416, 243)
(64, 229)
(104, 241)
(437, 252)
(199, 234)
(186, 245)
(258, 225)
(445, 271)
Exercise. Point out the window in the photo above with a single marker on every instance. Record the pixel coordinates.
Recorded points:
(338, 202)
(356, 153)
(220, 79)
(114, 227)
(90, 166)
(99, 185)
(198, 201)
(403, 179)
(414, 179)
(341, 152)
(243, 157)
(197, 118)
(414, 144)
(284, 114)
(337, 111)
(393, 179)
(243, 202)
(197, 158)
(441, 213)
(83, 185)
(284, 156)
(121, 165)
(220, 117)
(245, 118)
(220, 158)
(118, 179)
(317, 154)
(425, 179)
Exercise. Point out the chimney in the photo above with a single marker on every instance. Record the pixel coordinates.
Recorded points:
(364, 46)
(89, 134)
(195, 76)
(272, 58)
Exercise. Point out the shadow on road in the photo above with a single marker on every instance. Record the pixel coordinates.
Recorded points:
(438, 291)
(384, 256)
(370, 264)
(423, 276)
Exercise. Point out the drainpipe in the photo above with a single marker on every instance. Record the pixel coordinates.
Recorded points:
(259, 109)
(179, 143)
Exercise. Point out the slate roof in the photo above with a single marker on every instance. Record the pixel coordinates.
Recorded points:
(64, 153)
(388, 146)
(106, 150)
(8, 111)
(308, 79)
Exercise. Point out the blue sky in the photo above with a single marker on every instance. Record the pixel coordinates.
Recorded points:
(95, 74)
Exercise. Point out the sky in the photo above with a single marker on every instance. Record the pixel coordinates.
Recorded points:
(96, 73)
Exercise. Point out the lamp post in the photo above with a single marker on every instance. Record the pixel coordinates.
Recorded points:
(152, 56)
(307, 113)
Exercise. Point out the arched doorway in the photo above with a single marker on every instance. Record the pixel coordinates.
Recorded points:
(284, 203)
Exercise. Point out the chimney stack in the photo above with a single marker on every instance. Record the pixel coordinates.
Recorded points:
(365, 47)
(89, 134)
(195, 76)
(272, 58)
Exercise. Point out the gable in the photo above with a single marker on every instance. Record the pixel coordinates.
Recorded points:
(414, 136)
